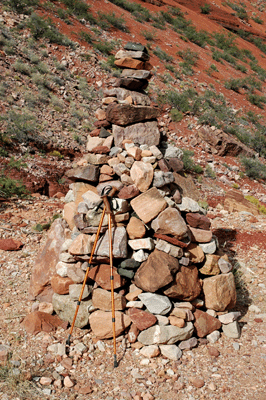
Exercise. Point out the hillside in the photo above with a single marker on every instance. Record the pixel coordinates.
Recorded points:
(208, 84)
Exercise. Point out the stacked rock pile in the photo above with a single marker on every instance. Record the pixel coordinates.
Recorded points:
(173, 285)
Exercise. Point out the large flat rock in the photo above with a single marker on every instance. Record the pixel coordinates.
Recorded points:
(140, 133)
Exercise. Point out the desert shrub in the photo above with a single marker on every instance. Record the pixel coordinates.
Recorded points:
(20, 126)
(176, 115)
(188, 162)
(22, 67)
(257, 20)
(11, 187)
(104, 47)
(205, 9)
(149, 35)
(261, 72)
(21, 6)
(162, 55)
(80, 9)
(139, 12)
(254, 168)
(113, 20)
(257, 100)
(209, 172)
(85, 36)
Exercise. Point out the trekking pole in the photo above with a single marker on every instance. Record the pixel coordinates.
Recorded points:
(108, 211)
(110, 191)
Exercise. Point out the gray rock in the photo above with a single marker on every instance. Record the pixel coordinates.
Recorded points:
(135, 47)
(140, 133)
(75, 290)
(173, 152)
(121, 169)
(140, 255)
(119, 236)
(91, 198)
(188, 344)
(140, 54)
(208, 248)
(138, 74)
(224, 266)
(130, 263)
(168, 334)
(156, 303)
(162, 320)
(121, 94)
(232, 330)
(80, 348)
(229, 317)
(169, 248)
(126, 273)
(213, 337)
(171, 351)
(82, 208)
(188, 205)
(66, 257)
(65, 308)
(161, 178)
(69, 196)
(89, 173)
(236, 346)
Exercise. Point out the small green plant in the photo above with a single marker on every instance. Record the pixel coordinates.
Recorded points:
(257, 100)
(203, 204)
(254, 168)
(10, 187)
(17, 164)
(257, 20)
(85, 36)
(57, 154)
(151, 36)
(209, 172)
(162, 55)
(22, 6)
(176, 115)
(253, 200)
(21, 67)
(104, 47)
(113, 20)
(188, 162)
(205, 9)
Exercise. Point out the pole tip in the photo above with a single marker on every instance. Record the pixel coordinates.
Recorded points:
(68, 340)
(115, 362)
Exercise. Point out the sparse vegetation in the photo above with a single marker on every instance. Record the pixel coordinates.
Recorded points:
(112, 20)
(254, 168)
(188, 162)
(162, 55)
(205, 9)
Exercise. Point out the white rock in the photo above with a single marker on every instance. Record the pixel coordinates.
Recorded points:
(162, 320)
(156, 152)
(61, 269)
(229, 317)
(91, 199)
(69, 197)
(135, 304)
(232, 330)
(208, 248)
(80, 348)
(140, 256)
(213, 337)
(150, 351)
(145, 243)
(171, 351)
(188, 205)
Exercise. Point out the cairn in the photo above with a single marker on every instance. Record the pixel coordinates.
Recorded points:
(172, 284)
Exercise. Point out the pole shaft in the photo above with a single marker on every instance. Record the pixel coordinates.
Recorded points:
(112, 283)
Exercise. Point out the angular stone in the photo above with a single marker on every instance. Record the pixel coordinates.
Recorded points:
(179, 313)
(126, 273)
(135, 304)
(46, 307)
(101, 275)
(213, 337)
(131, 84)
(65, 308)
(171, 351)
(140, 255)
(200, 235)
(41, 322)
(75, 291)
(91, 198)
(232, 330)
(133, 46)
(61, 268)
(186, 284)
(150, 351)
(235, 201)
(89, 173)
(224, 265)
(210, 266)
(142, 175)
(121, 169)
(137, 74)
(140, 55)
(157, 272)
(47, 258)
(93, 218)
(130, 263)
(132, 334)
(170, 222)
(102, 326)
(189, 205)
(187, 186)
(135, 152)
(168, 334)
(100, 114)
(122, 94)
(155, 303)
(220, 292)
(93, 142)
(172, 151)
(119, 236)
(140, 133)
(10, 244)
(125, 114)
(76, 274)
(117, 184)
(142, 205)
(188, 344)
(142, 319)
(145, 243)
(209, 248)
(60, 285)
(196, 254)
(69, 213)
(168, 248)
(205, 323)
(79, 188)
(229, 317)
(102, 299)
(162, 178)
(132, 63)
(175, 321)
(196, 220)
(135, 228)
(81, 245)
(175, 164)
(128, 192)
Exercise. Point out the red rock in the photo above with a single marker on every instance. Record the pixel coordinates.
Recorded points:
(186, 285)
(102, 326)
(163, 165)
(125, 114)
(142, 319)
(205, 323)
(100, 150)
(128, 192)
(135, 228)
(10, 244)
(175, 164)
(101, 275)
(197, 382)
(197, 220)
(99, 124)
(67, 363)
(85, 389)
(41, 322)
(213, 351)
(60, 285)
(170, 222)
(95, 132)
(157, 272)
(133, 333)
(200, 235)
(171, 240)
(220, 292)
(100, 114)
(132, 63)
(142, 204)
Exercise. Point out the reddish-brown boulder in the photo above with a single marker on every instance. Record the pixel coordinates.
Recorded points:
(125, 114)
(205, 323)
(197, 220)
(102, 326)
(10, 244)
(101, 275)
(186, 285)
(220, 292)
(41, 322)
(136, 228)
(142, 319)
(128, 192)
(60, 285)
(132, 63)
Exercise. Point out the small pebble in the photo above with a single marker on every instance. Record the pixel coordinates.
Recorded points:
(68, 382)
(213, 351)
(212, 386)
(197, 382)
(236, 346)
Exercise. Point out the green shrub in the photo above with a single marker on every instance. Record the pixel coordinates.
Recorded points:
(257, 20)
(22, 6)
(80, 9)
(253, 168)
(22, 67)
(11, 187)
(176, 115)
(113, 20)
(188, 162)
(205, 9)
(162, 55)
(104, 47)
(85, 36)
(20, 126)
(257, 100)
(209, 173)
(149, 35)
(139, 12)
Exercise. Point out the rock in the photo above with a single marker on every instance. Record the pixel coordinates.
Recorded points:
(132, 334)
(235, 201)
(60, 285)
(135, 228)
(119, 236)
(175, 321)
(187, 186)
(175, 164)
(134, 152)
(196, 254)
(89, 173)
(142, 319)
(75, 291)
(45, 381)
(188, 205)
(142, 174)
(122, 94)
(188, 344)
(179, 313)
(186, 284)
(46, 307)
(126, 114)
(229, 317)
(208, 248)
(220, 292)
(200, 235)
(47, 258)
(150, 351)
(196, 220)
(140, 133)
(213, 351)
(65, 308)
(39, 321)
(132, 63)
(140, 256)
(170, 222)
(162, 320)
(102, 299)
(128, 192)
(68, 382)
(120, 169)
(92, 199)
(171, 351)
(117, 184)
(162, 178)
(93, 142)
(197, 382)
(81, 245)
(168, 248)
(165, 334)
(137, 74)
(100, 114)
(66, 258)
(224, 265)
(145, 243)
(140, 55)
(131, 296)
(141, 205)
(155, 303)
(126, 273)
(129, 264)
(101, 275)
(232, 330)
(205, 323)
(156, 272)
(102, 326)
(76, 274)
(79, 188)
(171, 151)
(213, 336)
(10, 244)
(210, 266)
